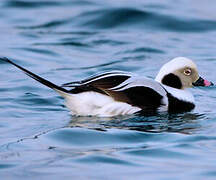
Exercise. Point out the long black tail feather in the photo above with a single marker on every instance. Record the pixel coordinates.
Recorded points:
(34, 76)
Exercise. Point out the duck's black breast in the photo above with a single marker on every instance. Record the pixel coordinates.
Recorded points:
(177, 105)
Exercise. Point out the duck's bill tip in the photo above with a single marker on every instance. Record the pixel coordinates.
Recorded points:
(203, 82)
(208, 83)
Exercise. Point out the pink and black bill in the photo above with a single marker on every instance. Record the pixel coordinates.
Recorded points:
(202, 82)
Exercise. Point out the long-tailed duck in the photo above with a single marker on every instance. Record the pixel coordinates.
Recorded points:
(120, 93)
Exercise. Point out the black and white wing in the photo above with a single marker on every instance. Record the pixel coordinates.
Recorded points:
(98, 82)
(144, 93)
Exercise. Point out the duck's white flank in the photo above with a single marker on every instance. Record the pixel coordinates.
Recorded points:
(96, 104)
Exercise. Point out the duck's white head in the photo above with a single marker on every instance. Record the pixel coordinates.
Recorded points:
(181, 73)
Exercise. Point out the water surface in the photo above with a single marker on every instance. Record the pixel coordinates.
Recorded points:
(69, 40)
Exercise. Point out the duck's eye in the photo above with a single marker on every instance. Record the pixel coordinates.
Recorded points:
(187, 72)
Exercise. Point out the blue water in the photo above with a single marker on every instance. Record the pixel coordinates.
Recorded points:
(71, 39)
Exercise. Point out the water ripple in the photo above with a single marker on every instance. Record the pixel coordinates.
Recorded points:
(69, 40)
(50, 24)
(135, 18)
(31, 4)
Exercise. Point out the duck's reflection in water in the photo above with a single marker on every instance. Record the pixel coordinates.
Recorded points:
(187, 123)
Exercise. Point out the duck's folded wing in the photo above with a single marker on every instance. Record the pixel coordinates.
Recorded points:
(144, 93)
(101, 81)
(140, 96)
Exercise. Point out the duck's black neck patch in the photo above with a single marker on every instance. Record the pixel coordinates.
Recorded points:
(176, 105)
(172, 80)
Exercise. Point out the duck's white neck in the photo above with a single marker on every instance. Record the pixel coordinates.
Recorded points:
(181, 94)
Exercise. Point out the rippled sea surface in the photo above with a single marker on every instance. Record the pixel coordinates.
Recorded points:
(71, 39)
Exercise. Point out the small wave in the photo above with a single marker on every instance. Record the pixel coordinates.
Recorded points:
(39, 51)
(32, 4)
(6, 166)
(146, 50)
(110, 42)
(49, 24)
(108, 18)
(128, 18)
(25, 4)
(135, 18)
(70, 43)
